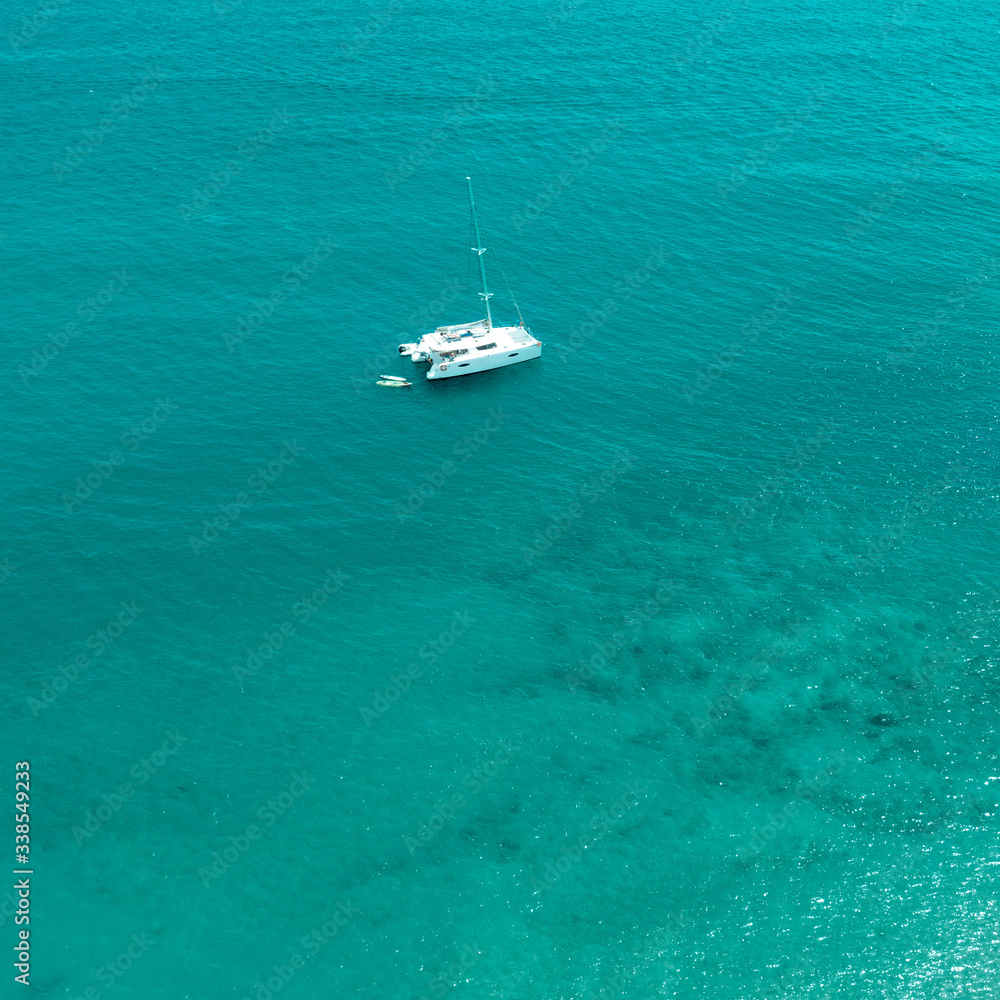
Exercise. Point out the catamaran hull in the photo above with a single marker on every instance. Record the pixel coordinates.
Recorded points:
(453, 369)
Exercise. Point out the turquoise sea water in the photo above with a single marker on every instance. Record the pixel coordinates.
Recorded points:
(662, 666)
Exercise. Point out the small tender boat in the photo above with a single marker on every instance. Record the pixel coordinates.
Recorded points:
(478, 346)
(392, 380)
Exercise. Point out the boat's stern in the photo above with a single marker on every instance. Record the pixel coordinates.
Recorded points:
(414, 352)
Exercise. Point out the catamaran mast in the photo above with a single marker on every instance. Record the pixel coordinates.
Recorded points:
(484, 294)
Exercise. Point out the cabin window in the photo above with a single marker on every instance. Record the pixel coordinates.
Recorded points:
(514, 355)
(466, 365)
(486, 347)
(453, 354)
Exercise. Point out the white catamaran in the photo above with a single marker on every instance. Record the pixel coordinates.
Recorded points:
(477, 346)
